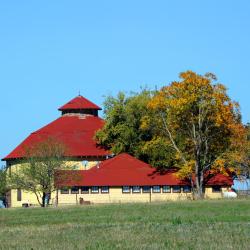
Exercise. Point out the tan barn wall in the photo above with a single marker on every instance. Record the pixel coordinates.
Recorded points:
(72, 164)
(209, 194)
(28, 197)
(115, 195)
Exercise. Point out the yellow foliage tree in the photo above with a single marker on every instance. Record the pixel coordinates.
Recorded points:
(202, 124)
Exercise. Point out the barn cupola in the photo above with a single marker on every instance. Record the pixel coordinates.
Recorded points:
(80, 106)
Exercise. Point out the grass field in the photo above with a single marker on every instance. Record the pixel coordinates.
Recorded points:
(174, 225)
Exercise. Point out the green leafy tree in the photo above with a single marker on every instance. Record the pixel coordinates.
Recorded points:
(3, 184)
(123, 114)
(38, 169)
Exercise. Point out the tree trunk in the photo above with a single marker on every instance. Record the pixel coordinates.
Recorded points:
(44, 200)
(198, 182)
(39, 202)
(200, 192)
(192, 187)
(49, 197)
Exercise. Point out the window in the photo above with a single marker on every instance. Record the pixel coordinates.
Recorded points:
(166, 189)
(105, 189)
(19, 194)
(186, 189)
(216, 189)
(64, 190)
(75, 190)
(84, 190)
(136, 189)
(94, 189)
(156, 189)
(126, 189)
(176, 189)
(146, 189)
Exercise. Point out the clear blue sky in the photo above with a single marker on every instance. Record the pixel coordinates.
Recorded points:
(49, 50)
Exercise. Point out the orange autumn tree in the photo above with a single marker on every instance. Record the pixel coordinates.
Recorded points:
(201, 123)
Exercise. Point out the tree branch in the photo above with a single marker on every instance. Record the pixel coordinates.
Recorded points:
(171, 138)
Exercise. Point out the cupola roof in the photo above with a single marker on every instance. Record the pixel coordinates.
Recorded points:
(79, 103)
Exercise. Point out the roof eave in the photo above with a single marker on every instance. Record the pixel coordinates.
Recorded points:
(63, 109)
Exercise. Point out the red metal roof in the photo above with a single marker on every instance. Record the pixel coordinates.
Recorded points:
(125, 170)
(122, 170)
(76, 132)
(79, 102)
(218, 179)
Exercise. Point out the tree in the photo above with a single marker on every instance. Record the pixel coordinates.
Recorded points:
(122, 132)
(202, 125)
(3, 184)
(37, 171)
(191, 125)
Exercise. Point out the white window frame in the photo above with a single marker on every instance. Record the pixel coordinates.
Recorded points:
(93, 191)
(74, 192)
(64, 190)
(215, 190)
(84, 192)
(126, 189)
(174, 191)
(147, 191)
(105, 190)
(135, 188)
(156, 190)
(189, 190)
(168, 190)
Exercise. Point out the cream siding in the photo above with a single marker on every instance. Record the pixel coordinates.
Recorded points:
(115, 195)
(30, 198)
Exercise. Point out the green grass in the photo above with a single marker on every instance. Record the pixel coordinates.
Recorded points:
(174, 225)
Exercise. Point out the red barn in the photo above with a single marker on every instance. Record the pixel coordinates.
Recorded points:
(119, 179)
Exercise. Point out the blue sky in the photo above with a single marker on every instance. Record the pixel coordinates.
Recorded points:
(49, 50)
